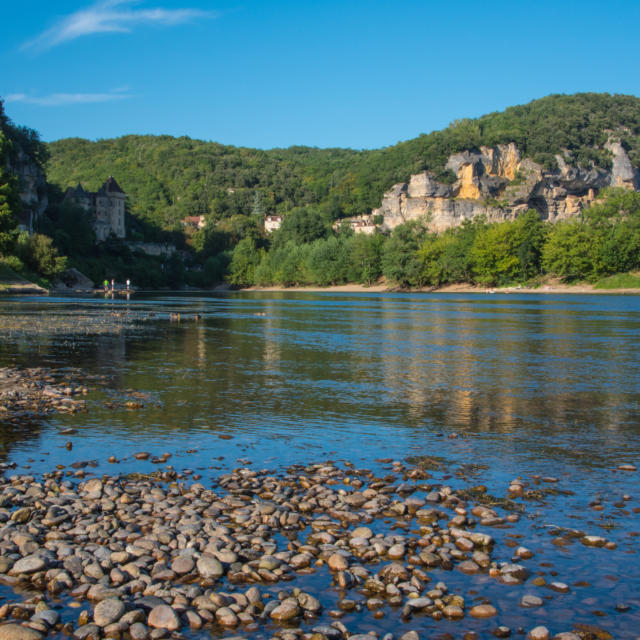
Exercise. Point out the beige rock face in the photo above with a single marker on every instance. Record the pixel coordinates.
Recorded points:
(496, 182)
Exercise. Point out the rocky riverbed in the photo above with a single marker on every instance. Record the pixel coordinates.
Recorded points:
(38, 391)
(322, 551)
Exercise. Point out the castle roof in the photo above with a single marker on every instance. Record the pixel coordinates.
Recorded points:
(77, 193)
(110, 186)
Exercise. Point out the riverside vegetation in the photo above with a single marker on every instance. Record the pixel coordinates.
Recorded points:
(168, 178)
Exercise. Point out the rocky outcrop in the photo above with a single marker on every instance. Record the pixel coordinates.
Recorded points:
(33, 188)
(497, 182)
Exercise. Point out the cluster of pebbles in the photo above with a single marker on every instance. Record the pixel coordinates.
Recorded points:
(39, 391)
(148, 557)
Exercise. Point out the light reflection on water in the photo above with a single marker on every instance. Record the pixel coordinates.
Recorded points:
(545, 373)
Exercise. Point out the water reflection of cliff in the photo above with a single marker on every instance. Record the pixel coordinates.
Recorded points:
(419, 362)
(505, 367)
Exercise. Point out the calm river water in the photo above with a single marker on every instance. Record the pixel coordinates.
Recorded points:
(531, 385)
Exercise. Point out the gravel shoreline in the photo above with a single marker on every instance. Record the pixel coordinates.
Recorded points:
(151, 556)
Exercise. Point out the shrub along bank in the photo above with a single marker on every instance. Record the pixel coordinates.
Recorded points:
(604, 241)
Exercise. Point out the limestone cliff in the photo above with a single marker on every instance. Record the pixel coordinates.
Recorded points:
(33, 187)
(499, 183)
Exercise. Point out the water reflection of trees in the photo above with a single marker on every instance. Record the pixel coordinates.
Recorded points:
(424, 362)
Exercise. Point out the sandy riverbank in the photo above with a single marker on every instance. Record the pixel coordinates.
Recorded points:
(455, 288)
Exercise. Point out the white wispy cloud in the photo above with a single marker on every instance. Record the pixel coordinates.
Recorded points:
(109, 16)
(66, 99)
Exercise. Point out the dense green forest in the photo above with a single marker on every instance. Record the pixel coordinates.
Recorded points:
(169, 178)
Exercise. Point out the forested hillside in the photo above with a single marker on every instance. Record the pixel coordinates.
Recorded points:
(168, 178)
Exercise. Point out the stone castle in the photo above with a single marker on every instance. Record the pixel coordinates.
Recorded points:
(107, 204)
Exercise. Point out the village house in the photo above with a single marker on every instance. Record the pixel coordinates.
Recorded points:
(271, 223)
(363, 224)
(107, 205)
(193, 222)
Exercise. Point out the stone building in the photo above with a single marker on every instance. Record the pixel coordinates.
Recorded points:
(106, 204)
(271, 223)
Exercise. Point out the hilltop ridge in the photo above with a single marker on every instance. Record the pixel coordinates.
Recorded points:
(170, 178)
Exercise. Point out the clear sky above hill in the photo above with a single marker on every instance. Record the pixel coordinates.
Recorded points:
(348, 73)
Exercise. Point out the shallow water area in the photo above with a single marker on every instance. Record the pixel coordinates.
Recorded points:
(491, 387)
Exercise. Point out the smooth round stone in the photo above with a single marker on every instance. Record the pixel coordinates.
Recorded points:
(593, 541)
(397, 551)
(539, 633)
(362, 532)
(337, 562)
(163, 617)
(566, 635)
(468, 566)
(285, 611)
(483, 611)
(523, 552)
(453, 612)
(93, 486)
(515, 570)
(347, 604)
(28, 564)
(410, 635)
(530, 602)
(309, 602)
(465, 545)
(627, 467)
(138, 631)
(210, 567)
(560, 587)
(49, 616)
(182, 565)
(226, 617)
(419, 603)
(375, 603)
(16, 632)
(108, 611)
(227, 556)
(87, 632)
(269, 563)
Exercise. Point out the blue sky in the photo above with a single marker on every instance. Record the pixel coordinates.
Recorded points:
(349, 73)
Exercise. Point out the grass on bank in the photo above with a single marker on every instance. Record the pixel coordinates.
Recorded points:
(10, 278)
(619, 281)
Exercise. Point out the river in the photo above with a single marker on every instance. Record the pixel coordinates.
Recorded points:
(493, 386)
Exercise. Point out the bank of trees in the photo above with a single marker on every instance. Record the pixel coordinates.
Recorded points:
(603, 241)
(169, 178)
(34, 255)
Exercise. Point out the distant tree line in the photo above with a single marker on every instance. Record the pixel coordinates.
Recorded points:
(169, 178)
(604, 241)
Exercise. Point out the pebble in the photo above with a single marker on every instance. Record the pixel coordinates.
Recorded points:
(483, 611)
(286, 611)
(539, 633)
(17, 632)
(108, 611)
(163, 617)
(530, 601)
(168, 550)
(210, 567)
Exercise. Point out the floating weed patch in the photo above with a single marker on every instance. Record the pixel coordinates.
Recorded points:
(434, 463)
(540, 494)
(480, 496)
(470, 471)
